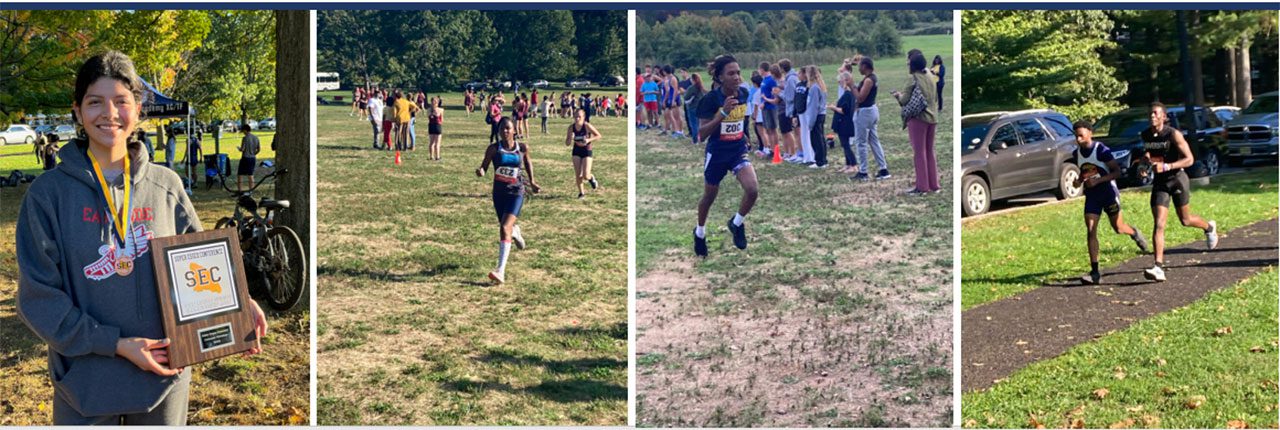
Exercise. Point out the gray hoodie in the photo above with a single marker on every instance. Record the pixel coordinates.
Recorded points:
(789, 91)
(68, 292)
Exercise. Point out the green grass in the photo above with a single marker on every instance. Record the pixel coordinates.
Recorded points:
(843, 278)
(20, 157)
(272, 388)
(1007, 254)
(411, 332)
(1155, 371)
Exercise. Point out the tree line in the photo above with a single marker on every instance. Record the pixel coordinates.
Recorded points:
(1090, 63)
(440, 50)
(223, 62)
(691, 38)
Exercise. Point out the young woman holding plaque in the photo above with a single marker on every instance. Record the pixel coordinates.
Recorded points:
(86, 284)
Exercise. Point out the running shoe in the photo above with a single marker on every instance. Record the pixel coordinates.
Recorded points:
(497, 277)
(1155, 273)
(817, 166)
(1140, 241)
(594, 184)
(1211, 235)
(581, 196)
(739, 234)
(699, 245)
(517, 238)
(1093, 278)
(915, 193)
(860, 177)
(884, 174)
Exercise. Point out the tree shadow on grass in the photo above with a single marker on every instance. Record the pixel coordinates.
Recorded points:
(386, 275)
(569, 380)
(17, 342)
(615, 331)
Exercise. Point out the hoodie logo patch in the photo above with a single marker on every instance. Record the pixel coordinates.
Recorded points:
(105, 266)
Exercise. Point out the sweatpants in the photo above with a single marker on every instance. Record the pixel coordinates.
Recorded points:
(865, 124)
(921, 135)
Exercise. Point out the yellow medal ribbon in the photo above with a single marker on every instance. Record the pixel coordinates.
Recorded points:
(120, 220)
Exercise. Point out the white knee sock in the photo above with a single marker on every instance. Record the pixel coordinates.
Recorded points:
(504, 247)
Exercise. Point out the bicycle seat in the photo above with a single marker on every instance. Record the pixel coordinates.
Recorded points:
(274, 204)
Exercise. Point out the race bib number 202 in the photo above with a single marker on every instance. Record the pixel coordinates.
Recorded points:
(731, 128)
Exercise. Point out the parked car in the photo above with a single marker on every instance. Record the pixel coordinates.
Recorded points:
(1120, 132)
(579, 83)
(44, 129)
(541, 83)
(65, 132)
(267, 124)
(179, 127)
(17, 133)
(1226, 113)
(612, 81)
(1256, 132)
(475, 86)
(1008, 154)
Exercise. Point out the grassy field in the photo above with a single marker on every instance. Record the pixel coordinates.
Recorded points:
(1211, 364)
(411, 332)
(20, 157)
(837, 314)
(1008, 254)
(272, 388)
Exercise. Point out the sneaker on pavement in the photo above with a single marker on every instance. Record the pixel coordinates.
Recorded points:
(1155, 273)
(739, 234)
(1093, 278)
(1211, 235)
(699, 245)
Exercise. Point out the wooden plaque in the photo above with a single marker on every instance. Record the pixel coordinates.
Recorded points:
(203, 296)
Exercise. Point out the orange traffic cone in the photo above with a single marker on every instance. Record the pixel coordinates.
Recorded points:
(397, 157)
(777, 154)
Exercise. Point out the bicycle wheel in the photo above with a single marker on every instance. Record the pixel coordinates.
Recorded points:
(288, 268)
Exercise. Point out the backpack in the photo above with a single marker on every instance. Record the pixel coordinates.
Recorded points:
(801, 101)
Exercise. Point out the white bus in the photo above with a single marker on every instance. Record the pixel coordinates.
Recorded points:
(326, 81)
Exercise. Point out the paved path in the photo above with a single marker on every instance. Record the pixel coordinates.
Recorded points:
(1000, 337)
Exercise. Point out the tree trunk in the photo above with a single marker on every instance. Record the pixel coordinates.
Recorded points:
(1197, 70)
(1231, 77)
(293, 114)
(1244, 80)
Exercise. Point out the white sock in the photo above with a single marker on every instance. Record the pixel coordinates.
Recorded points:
(503, 248)
(737, 219)
(700, 231)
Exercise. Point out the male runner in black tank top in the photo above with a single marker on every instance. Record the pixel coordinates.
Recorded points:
(1168, 152)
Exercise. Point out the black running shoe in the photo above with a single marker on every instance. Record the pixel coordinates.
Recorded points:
(699, 244)
(739, 234)
(1140, 241)
(593, 182)
(1094, 277)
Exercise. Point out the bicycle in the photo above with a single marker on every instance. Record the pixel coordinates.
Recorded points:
(275, 264)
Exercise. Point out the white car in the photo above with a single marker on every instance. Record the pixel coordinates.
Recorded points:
(579, 83)
(65, 132)
(17, 133)
(541, 83)
(267, 124)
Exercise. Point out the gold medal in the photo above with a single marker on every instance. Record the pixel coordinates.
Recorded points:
(124, 265)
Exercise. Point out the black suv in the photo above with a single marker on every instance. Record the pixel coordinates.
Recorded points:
(1007, 154)
(1120, 132)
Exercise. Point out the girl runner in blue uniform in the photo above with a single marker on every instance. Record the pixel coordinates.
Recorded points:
(581, 135)
(511, 168)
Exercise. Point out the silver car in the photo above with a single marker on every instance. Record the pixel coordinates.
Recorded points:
(17, 133)
(1256, 132)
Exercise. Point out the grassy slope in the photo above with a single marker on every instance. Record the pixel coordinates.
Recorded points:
(269, 389)
(410, 331)
(1007, 254)
(830, 259)
(1155, 371)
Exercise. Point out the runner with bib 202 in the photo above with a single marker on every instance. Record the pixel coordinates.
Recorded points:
(722, 118)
